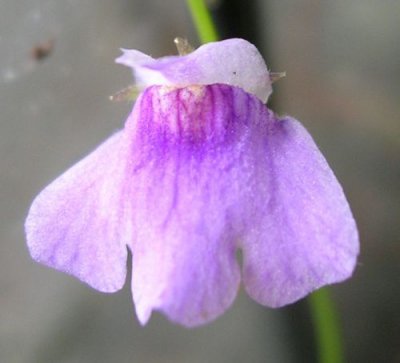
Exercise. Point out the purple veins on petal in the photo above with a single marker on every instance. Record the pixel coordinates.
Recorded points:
(74, 224)
(199, 171)
(188, 200)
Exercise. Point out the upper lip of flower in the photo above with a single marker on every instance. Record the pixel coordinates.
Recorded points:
(235, 62)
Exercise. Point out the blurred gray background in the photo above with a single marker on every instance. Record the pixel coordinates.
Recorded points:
(342, 63)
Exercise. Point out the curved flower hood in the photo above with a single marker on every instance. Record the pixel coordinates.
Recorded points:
(234, 62)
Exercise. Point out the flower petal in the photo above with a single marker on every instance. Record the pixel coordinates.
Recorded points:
(188, 271)
(74, 224)
(235, 62)
(188, 197)
(306, 236)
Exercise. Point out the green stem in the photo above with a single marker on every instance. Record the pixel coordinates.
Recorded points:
(326, 326)
(203, 21)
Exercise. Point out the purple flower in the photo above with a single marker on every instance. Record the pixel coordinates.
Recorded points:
(201, 170)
